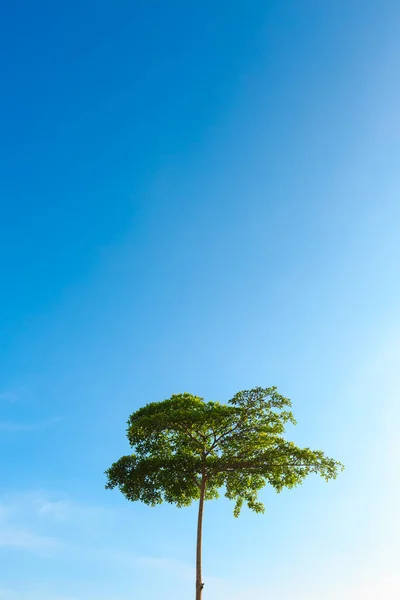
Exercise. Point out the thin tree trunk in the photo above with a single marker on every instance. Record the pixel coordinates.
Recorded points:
(199, 582)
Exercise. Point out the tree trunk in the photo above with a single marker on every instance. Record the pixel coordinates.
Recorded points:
(199, 583)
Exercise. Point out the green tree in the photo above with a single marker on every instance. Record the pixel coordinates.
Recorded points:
(186, 449)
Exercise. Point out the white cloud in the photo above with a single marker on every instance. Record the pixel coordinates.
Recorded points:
(26, 540)
(14, 536)
(57, 509)
(43, 509)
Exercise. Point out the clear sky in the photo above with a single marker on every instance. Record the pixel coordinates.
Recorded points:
(202, 197)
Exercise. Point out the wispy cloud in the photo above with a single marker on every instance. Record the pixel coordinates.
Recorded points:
(61, 507)
(14, 535)
(46, 508)
(26, 540)
(60, 510)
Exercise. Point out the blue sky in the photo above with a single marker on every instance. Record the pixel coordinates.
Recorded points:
(198, 197)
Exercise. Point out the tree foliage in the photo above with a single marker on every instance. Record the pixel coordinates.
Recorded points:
(238, 447)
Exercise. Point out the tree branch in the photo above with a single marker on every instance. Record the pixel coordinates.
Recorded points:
(192, 437)
(251, 465)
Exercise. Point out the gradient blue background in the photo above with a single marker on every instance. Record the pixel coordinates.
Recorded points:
(198, 197)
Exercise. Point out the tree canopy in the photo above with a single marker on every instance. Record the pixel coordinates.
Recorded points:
(184, 446)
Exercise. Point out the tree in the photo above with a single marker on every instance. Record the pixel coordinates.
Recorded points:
(186, 449)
